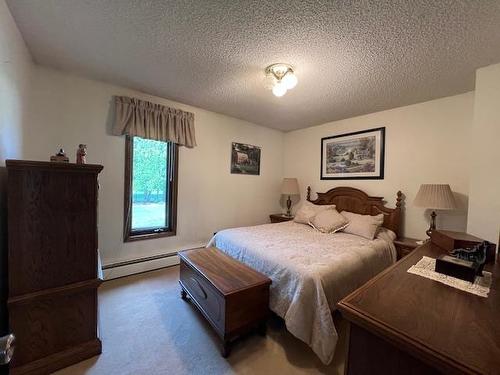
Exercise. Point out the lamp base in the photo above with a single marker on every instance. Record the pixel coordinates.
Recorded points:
(288, 207)
(432, 226)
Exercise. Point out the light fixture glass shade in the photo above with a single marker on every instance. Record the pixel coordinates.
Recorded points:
(435, 196)
(290, 80)
(279, 89)
(280, 78)
(269, 81)
(290, 186)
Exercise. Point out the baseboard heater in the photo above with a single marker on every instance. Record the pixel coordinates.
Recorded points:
(139, 265)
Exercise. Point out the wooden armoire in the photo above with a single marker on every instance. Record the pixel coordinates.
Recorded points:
(53, 261)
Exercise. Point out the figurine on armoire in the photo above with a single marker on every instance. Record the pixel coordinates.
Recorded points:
(60, 157)
(81, 154)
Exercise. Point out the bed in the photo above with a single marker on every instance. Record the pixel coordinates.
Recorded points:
(311, 271)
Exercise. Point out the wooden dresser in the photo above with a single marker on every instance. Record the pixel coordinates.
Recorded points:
(407, 324)
(233, 297)
(52, 264)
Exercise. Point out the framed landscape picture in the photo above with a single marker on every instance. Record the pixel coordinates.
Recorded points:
(358, 155)
(245, 159)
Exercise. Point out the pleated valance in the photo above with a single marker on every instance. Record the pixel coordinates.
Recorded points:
(153, 121)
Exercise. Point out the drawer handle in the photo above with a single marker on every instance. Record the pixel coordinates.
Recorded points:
(204, 294)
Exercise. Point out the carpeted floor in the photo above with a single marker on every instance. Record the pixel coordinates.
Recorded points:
(146, 328)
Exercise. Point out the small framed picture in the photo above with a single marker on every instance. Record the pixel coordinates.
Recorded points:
(245, 159)
(353, 156)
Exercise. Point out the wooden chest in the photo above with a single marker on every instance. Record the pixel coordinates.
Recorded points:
(233, 297)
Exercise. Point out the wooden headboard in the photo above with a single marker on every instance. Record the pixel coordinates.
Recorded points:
(357, 201)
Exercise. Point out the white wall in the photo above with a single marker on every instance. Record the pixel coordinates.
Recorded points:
(15, 68)
(66, 110)
(425, 143)
(484, 202)
(42, 110)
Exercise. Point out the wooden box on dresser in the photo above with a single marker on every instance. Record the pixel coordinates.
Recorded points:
(52, 264)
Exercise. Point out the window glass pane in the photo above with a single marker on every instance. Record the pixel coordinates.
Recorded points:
(149, 185)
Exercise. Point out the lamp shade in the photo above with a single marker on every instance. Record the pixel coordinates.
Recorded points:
(290, 186)
(435, 196)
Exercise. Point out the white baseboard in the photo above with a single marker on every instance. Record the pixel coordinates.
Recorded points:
(131, 269)
(151, 263)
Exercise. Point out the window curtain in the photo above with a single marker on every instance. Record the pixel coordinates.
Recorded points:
(144, 119)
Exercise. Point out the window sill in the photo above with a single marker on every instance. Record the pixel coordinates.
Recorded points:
(147, 236)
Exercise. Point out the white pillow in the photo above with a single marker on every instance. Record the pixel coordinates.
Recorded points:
(386, 235)
(363, 225)
(328, 221)
(308, 210)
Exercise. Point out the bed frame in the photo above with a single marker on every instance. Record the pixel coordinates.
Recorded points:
(357, 201)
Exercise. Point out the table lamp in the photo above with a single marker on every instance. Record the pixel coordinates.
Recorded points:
(289, 187)
(435, 197)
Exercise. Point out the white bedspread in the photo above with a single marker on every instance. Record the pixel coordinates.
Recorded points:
(310, 272)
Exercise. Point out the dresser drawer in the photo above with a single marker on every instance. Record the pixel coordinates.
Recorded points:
(208, 299)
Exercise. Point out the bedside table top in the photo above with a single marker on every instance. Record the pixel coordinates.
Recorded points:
(282, 216)
(407, 242)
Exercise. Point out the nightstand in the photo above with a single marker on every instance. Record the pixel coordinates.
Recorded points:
(279, 218)
(405, 246)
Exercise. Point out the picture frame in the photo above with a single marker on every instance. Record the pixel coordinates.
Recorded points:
(245, 159)
(354, 156)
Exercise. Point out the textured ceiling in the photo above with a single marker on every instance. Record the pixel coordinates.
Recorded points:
(351, 57)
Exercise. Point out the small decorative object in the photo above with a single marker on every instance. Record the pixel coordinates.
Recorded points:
(60, 157)
(353, 156)
(81, 154)
(464, 264)
(245, 159)
(289, 187)
(450, 240)
(7, 346)
(459, 268)
(436, 197)
(476, 255)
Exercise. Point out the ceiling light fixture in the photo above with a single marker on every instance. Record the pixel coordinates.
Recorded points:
(280, 78)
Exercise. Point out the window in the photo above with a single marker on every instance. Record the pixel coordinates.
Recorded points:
(150, 189)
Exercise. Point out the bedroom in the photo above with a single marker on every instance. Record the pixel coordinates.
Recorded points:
(427, 72)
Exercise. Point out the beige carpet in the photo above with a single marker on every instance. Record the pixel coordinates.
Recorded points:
(146, 328)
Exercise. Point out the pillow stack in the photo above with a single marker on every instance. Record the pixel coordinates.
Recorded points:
(308, 210)
(329, 221)
(326, 219)
(363, 225)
